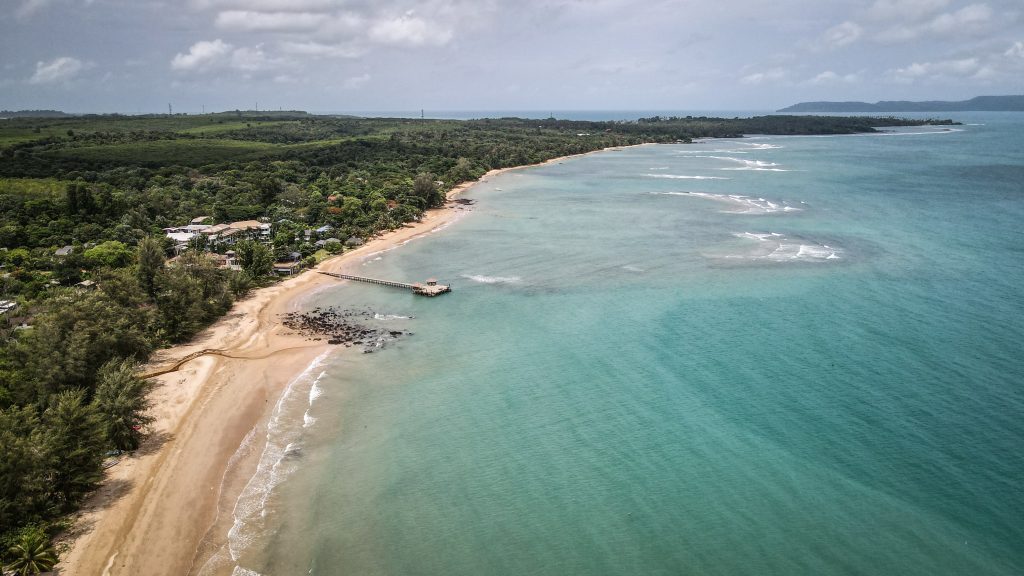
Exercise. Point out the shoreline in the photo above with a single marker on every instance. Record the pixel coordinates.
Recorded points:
(166, 508)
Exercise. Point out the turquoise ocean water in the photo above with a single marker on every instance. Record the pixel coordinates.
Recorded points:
(774, 355)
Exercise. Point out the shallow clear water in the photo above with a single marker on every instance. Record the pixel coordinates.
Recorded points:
(630, 378)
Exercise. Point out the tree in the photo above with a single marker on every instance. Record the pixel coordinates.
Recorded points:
(111, 253)
(78, 334)
(149, 262)
(464, 171)
(255, 259)
(74, 441)
(121, 398)
(24, 488)
(33, 554)
(425, 187)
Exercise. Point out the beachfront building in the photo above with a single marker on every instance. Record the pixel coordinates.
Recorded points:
(286, 268)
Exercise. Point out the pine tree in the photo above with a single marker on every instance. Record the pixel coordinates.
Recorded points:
(121, 400)
(74, 441)
(150, 261)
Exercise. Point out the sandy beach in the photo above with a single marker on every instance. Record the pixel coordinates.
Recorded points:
(166, 509)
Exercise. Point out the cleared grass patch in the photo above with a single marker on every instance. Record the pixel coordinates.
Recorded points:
(167, 152)
(24, 187)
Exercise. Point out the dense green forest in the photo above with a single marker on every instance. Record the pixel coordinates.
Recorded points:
(87, 289)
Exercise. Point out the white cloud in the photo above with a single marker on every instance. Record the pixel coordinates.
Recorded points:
(829, 77)
(202, 55)
(270, 21)
(319, 49)
(960, 68)
(252, 60)
(267, 5)
(907, 10)
(968, 16)
(59, 69)
(410, 30)
(969, 20)
(772, 75)
(841, 35)
(1015, 51)
(30, 7)
(208, 56)
(356, 81)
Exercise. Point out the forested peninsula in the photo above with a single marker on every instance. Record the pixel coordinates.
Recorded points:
(123, 234)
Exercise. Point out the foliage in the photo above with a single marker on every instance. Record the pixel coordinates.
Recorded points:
(32, 554)
(121, 401)
(149, 263)
(75, 441)
(255, 259)
(112, 254)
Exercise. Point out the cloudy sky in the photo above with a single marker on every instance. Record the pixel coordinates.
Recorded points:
(337, 55)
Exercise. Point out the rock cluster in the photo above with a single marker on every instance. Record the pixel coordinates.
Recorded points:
(342, 326)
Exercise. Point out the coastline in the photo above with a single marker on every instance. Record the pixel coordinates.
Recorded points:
(165, 508)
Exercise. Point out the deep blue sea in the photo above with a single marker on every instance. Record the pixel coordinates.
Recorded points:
(759, 356)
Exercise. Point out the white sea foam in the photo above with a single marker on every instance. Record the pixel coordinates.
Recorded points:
(315, 391)
(780, 248)
(493, 279)
(686, 177)
(632, 268)
(748, 164)
(390, 317)
(745, 204)
(761, 146)
(239, 571)
(696, 153)
(276, 462)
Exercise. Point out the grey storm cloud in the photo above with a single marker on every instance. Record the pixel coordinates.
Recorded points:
(336, 55)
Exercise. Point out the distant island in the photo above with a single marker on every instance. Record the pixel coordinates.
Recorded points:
(976, 104)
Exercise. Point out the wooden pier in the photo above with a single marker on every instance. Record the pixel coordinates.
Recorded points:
(430, 288)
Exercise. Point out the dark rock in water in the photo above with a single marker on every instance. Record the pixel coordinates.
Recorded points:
(340, 326)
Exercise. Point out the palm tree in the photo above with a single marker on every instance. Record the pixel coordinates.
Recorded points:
(32, 554)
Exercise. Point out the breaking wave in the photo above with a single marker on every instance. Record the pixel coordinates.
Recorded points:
(744, 204)
(278, 461)
(686, 177)
(780, 248)
(748, 164)
(493, 279)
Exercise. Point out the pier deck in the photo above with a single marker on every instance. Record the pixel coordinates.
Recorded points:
(430, 288)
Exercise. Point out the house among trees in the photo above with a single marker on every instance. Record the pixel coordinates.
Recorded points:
(65, 251)
(286, 268)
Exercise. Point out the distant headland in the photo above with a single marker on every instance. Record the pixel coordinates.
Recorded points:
(976, 104)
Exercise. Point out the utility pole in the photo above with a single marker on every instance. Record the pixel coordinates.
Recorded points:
(204, 108)
(170, 111)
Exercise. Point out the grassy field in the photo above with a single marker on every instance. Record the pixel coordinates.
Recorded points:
(168, 152)
(31, 187)
(19, 130)
(215, 128)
